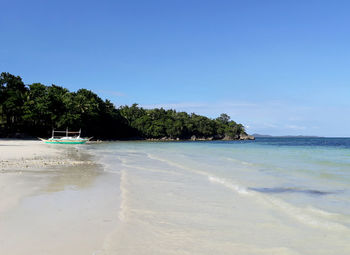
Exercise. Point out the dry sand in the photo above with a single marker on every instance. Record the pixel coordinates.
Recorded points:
(54, 200)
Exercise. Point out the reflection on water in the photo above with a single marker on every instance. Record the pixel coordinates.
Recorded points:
(80, 175)
(73, 177)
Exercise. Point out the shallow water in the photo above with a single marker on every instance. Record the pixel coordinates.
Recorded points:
(269, 196)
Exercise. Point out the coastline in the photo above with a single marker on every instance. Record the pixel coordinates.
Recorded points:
(54, 198)
(169, 139)
(194, 138)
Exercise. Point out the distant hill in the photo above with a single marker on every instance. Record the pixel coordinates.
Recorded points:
(259, 135)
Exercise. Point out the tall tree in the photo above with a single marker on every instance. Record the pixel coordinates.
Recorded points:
(37, 115)
(12, 98)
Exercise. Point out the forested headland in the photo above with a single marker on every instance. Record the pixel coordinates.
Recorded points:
(33, 110)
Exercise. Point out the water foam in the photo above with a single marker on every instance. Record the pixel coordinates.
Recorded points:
(246, 163)
(211, 178)
(229, 185)
(308, 216)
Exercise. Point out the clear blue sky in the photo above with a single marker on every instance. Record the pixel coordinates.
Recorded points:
(278, 67)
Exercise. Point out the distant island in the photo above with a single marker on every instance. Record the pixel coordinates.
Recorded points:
(33, 110)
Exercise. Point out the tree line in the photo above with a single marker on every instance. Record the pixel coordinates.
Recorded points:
(33, 110)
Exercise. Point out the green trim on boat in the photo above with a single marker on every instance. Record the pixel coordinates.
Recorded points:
(75, 142)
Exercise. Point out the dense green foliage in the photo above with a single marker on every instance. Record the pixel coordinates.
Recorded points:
(35, 109)
(160, 123)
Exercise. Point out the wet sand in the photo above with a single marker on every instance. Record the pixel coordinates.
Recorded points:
(54, 199)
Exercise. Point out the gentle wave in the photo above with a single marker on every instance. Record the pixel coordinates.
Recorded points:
(229, 185)
(309, 216)
(177, 165)
(211, 178)
(245, 163)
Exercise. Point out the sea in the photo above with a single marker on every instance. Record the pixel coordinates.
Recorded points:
(267, 196)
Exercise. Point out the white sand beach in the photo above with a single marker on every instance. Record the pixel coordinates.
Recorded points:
(54, 200)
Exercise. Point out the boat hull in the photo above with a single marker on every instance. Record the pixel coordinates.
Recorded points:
(62, 141)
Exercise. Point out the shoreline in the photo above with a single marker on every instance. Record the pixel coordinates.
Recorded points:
(165, 139)
(53, 198)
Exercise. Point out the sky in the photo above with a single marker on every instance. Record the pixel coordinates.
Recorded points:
(277, 67)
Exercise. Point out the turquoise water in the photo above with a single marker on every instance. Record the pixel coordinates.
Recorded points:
(268, 196)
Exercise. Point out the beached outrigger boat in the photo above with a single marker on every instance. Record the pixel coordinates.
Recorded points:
(70, 137)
